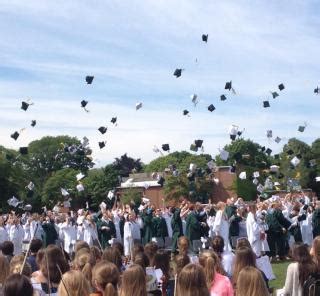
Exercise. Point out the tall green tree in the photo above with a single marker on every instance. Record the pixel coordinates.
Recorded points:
(125, 165)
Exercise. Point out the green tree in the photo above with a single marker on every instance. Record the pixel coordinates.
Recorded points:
(132, 194)
(125, 165)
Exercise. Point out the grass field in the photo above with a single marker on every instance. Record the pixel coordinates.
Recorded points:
(280, 271)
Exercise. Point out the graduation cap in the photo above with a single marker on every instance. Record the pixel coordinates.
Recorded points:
(30, 186)
(102, 144)
(193, 147)
(198, 143)
(33, 123)
(223, 97)
(301, 128)
(14, 202)
(23, 150)
(205, 38)
(228, 85)
(277, 140)
(243, 175)
(161, 181)
(80, 176)
(165, 147)
(233, 131)
(263, 148)
(268, 151)
(64, 192)
(274, 94)
(194, 99)
(317, 90)
(89, 79)
(177, 72)
(102, 129)
(138, 105)
(84, 103)
(211, 108)
(266, 104)
(185, 112)
(80, 187)
(224, 154)
(233, 169)
(295, 161)
(269, 133)
(280, 176)
(15, 135)
(25, 105)
(113, 120)
(239, 133)
(281, 86)
(299, 156)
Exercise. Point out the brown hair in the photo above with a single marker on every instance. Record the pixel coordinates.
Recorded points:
(133, 281)
(244, 257)
(53, 260)
(251, 283)
(218, 245)
(113, 255)
(315, 251)
(210, 262)
(181, 261)
(162, 261)
(105, 276)
(84, 262)
(4, 267)
(17, 284)
(96, 253)
(16, 265)
(243, 242)
(150, 250)
(81, 245)
(192, 281)
(142, 260)
(74, 283)
(183, 245)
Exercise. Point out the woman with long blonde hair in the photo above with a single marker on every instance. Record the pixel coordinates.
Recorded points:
(84, 262)
(315, 251)
(217, 283)
(133, 281)
(251, 283)
(192, 281)
(74, 283)
(105, 278)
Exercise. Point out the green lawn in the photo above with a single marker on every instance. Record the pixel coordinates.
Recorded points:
(280, 271)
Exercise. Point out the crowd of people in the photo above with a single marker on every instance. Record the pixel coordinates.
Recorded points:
(191, 249)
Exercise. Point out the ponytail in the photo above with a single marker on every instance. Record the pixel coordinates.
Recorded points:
(110, 290)
(209, 270)
(87, 271)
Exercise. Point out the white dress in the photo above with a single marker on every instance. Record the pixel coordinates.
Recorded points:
(128, 238)
(90, 233)
(306, 230)
(3, 235)
(16, 235)
(210, 222)
(69, 234)
(253, 231)
(116, 221)
(221, 227)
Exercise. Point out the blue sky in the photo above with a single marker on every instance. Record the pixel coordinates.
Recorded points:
(132, 48)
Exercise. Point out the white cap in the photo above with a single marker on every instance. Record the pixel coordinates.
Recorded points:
(192, 167)
(224, 155)
(255, 181)
(274, 168)
(277, 140)
(80, 176)
(211, 164)
(64, 192)
(138, 105)
(80, 187)
(233, 130)
(295, 161)
(103, 205)
(14, 202)
(110, 194)
(256, 174)
(260, 188)
(145, 200)
(243, 175)
(30, 186)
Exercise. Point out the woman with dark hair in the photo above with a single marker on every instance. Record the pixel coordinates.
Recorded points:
(299, 271)
(226, 257)
(17, 284)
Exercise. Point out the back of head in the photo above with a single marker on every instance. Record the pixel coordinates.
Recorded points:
(105, 278)
(73, 283)
(35, 245)
(244, 257)
(80, 245)
(133, 281)
(142, 260)
(210, 262)
(7, 248)
(17, 284)
(150, 250)
(96, 253)
(53, 264)
(4, 268)
(316, 251)
(119, 247)
(251, 283)
(137, 248)
(192, 281)
(16, 264)
(243, 243)
(113, 255)
(181, 261)
(162, 260)
(84, 262)
(183, 245)
(218, 244)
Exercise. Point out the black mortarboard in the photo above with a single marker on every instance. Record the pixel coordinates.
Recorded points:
(177, 72)
(102, 144)
(263, 148)
(266, 104)
(211, 108)
(223, 97)
(24, 106)
(114, 120)
(268, 151)
(102, 129)
(239, 133)
(301, 128)
(233, 137)
(185, 112)
(165, 147)
(317, 90)
(228, 85)
(274, 94)
(84, 103)
(33, 123)
(205, 38)
(299, 156)
(198, 143)
(281, 86)
(23, 150)
(161, 181)
(15, 136)
(233, 169)
(89, 79)
(290, 152)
